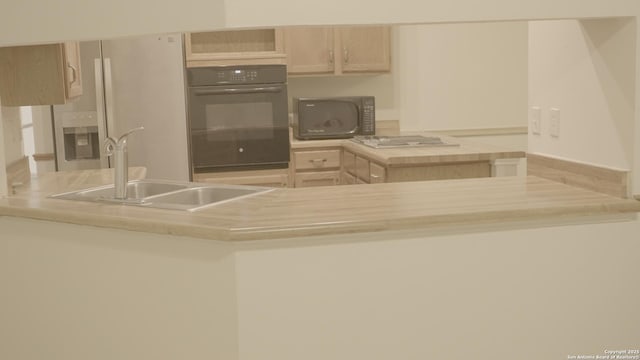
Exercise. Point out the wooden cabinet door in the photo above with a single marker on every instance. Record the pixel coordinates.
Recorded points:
(310, 50)
(349, 162)
(362, 169)
(32, 75)
(73, 78)
(234, 47)
(364, 48)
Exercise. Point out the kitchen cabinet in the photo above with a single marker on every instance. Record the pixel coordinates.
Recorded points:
(337, 50)
(269, 178)
(40, 74)
(317, 167)
(237, 47)
(358, 169)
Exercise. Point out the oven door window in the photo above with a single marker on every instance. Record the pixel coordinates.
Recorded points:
(238, 126)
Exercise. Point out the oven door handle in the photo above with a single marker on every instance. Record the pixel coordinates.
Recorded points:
(268, 89)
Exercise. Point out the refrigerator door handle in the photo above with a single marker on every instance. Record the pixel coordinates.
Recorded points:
(108, 96)
(101, 111)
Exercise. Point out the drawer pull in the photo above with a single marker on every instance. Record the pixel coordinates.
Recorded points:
(318, 162)
(375, 176)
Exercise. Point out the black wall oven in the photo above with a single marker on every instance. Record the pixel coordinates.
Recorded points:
(238, 117)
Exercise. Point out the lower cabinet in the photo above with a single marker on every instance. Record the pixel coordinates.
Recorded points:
(318, 167)
(335, 166)
(269, 178)
(360, 170)
(357, 169)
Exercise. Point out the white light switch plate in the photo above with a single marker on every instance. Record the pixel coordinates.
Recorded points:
(535, 120)
(554, 122)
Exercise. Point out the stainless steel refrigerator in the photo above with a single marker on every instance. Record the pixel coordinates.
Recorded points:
(127, 83)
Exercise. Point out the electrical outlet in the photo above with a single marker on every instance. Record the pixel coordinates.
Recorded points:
(554, 122)
(535, 120)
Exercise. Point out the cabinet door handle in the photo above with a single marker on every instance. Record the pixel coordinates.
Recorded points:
(345, 57)
(74, 75)
(331, 57)
(375, 176)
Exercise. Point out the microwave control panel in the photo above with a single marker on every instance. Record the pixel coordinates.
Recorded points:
(368, 116)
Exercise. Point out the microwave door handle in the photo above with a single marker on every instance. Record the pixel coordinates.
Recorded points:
(270, 89)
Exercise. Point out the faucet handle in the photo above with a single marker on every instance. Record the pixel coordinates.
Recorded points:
(111, 144)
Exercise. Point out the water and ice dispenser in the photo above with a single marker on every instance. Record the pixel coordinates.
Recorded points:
(81, 142)
(78, 141)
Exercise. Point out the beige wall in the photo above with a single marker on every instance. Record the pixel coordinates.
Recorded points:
(288, 12)
(587, 70)
(78, 293)
(89, 20)
(460, 76)
(539, 293)
(74, 293)
(59, 20)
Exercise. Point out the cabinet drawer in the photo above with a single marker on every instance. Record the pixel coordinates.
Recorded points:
(378, 173)
(324, 178)
(324, 159)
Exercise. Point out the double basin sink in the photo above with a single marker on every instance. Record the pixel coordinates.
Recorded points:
(166, 194)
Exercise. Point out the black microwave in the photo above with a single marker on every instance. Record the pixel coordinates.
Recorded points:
(333, 117)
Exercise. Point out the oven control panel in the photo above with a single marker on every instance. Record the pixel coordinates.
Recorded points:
(238, 75)
(246, 74)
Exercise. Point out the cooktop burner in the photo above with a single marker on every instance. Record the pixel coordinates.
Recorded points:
(400, 141)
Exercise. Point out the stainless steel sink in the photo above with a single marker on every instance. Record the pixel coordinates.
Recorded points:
(199, 197)
(165, 194)
(137, 191)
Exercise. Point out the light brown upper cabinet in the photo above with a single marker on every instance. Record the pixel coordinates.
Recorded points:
(236, 47)
(40, 74)
(338, 50)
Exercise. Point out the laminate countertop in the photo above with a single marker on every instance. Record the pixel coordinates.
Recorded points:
(295, 212)
(465, 151)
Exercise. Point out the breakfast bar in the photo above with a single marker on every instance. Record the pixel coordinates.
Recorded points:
(276, 274)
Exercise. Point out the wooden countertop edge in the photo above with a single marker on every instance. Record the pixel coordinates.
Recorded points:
(152, 226)
(160, 225)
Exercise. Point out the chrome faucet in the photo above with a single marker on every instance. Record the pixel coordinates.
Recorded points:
(118, 149)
